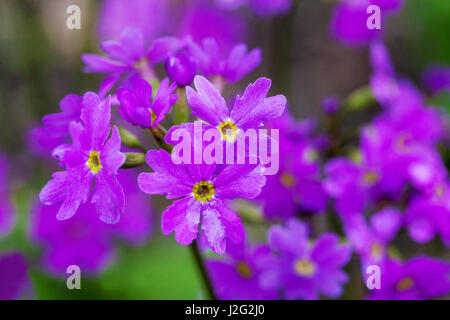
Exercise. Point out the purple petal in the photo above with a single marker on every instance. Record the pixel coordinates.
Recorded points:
(239, 181)
(207, 103)
(96, 116)
(95, 63)
(108, 197)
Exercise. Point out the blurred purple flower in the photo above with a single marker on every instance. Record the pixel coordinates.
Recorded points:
(92, 156)
(6, 208)
(181, 68)
(151, 17)
(268, 8)
(14, 279)
(371, 240)
(55, 127)
(84, 240)
(297, 185)
(349, 20)
(201, 19)
(232, 67)
(237, 276)
(419, 278)
(249, 111)
(330, 105)
(136, 104)
(302, 269)
(437, 78)
(129, 56)
(429, 214)
(203, 190)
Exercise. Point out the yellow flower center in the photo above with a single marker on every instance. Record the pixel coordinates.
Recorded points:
(203, 191)
(439, 191)
(228, 130)
(405, 284)
(94, 161)
(304, 267)
(244, 270)
(153, 116)
(377, 250)
(287, 180)
(370, 177)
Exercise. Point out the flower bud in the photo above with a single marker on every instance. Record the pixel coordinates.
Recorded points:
(181, 68)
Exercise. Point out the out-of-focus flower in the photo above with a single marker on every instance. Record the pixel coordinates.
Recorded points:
(416, 279)
(237, 276)
(84, 240)
(55, 127)
(371, 240)
(181, 68)
(349, 20)
(302, 269)
(14, 279)
(249, 111)
(6, 209)
(202, 19)
(330, 105)
(92, 156)
(203, 189)
(151, 17)
(297, 185)
(232, 67)
(429, 214)
(129, 56)
(436, 79)
(136, 104)
(267, 8)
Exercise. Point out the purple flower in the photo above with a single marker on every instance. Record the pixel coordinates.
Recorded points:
(349, 20)
(84, 240)
(181, 68)
(429, 214)
(419, 278)
(297, 184)
(201, 19)
(436, 79)
(371, 240)
(249, 111)
(202, 190)
(136, 103)
(270, 7)
(92, 156)
(14, 279)
(237, 275)
(151, 17)
(6, 209)
(55, 127)
(232, 67)
(302, 269)
(129, 56)
(330, 105)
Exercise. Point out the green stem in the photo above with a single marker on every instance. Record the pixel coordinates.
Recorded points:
(203, 272)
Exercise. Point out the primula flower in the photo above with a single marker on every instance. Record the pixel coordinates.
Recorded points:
(129, 56)
(84, 240)
(302, 269)
(136, 104)
(297, 184)
(232, 67)
(237, 276)
(151, 17)
(181, 68)
(429, 214)
(14, 280)
(92, 156)
(419, 278)
(6, 209)
(267, 8)
(203, 190)
(349, 20)
(371, 240)
(249, 111)
(437, 78)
